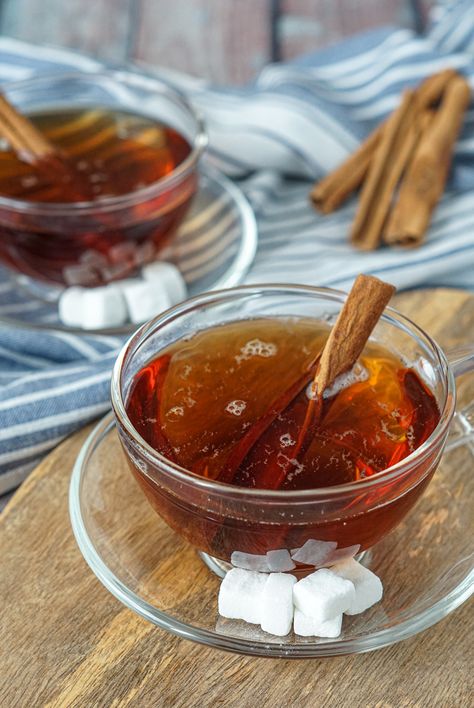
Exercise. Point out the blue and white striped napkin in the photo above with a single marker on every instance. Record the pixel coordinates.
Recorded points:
(293, 124)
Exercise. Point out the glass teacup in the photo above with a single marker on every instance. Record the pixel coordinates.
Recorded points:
(226, 522)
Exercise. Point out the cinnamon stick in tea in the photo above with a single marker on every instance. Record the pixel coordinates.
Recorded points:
(358, 317)
(362, 310)
(426, 177)
(33, 147)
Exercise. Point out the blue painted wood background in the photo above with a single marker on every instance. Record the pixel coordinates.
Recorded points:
(223, 40)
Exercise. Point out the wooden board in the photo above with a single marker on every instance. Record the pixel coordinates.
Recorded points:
(67, 642)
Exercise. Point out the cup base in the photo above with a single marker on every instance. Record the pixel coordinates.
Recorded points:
(221, 568)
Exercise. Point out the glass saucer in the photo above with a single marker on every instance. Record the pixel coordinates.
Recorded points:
(214, 248)
(426, 564)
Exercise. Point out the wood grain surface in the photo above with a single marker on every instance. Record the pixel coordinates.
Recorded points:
(67, 642)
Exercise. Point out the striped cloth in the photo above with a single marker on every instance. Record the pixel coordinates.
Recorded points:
(293, 124)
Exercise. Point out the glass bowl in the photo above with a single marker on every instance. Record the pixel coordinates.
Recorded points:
(213, 248)
(220, 519)
(94, 242)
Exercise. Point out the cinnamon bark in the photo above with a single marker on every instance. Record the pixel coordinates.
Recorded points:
(330, 192)
(426, 176)
(393, 153)
(361, 312)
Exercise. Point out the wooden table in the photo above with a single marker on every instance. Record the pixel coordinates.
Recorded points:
(67, 642)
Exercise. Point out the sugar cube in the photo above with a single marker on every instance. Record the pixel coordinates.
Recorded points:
(103, 307)
(340, 554)
(240, 595)
(145, 300)
(249, 561)
(323, 595)
(368, 587)
(277, 604)
(308, 627)
(167, 276)
(313, 552)
(70, 306)
(81, 274)
(279, 561)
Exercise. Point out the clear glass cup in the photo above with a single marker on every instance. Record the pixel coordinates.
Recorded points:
(219, 519)
(93, 242)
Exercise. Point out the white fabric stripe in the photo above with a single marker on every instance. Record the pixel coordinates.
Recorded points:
(50, 54)
(79, 345)
(27, 452)
(58, 419)
(35, 362)
(81, 384)
(60, 372)
(356, 63)
(13, 478)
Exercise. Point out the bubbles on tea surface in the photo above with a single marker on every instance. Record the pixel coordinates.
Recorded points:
(255, 347)
(175, 412)
(283, 461)
(286, 440)
(236, 407)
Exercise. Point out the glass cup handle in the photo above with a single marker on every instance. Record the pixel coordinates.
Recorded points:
(461, 360)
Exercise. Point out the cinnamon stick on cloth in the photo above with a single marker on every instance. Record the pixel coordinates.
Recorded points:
(393, 153)
(426, 176)
(331, 191)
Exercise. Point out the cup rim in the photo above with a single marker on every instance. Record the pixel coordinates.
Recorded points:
(390, 315)
(107, 204)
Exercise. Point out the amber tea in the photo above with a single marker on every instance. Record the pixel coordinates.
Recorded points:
(229, 404)
(111, 153)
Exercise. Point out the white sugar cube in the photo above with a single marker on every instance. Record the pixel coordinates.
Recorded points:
(323, 595)
(341, 554)
(308, 627)
(279, 561)
(70, 306)
(249, 561)
(103, 307)
(313, 552)
(240, 595)
(145, 300)
(167, 276)
(368, 587)
(277, 604)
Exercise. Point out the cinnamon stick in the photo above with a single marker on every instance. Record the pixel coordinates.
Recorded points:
(361, 312)
(359, 315)
(330, 192)
(354, 325)
(426, 177)
(20, 133)
(33, 147)
(394, 150)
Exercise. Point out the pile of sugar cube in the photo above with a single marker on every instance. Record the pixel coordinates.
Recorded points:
(314, 605)
(135, 300)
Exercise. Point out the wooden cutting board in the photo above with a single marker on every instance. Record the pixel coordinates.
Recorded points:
(65, 641)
